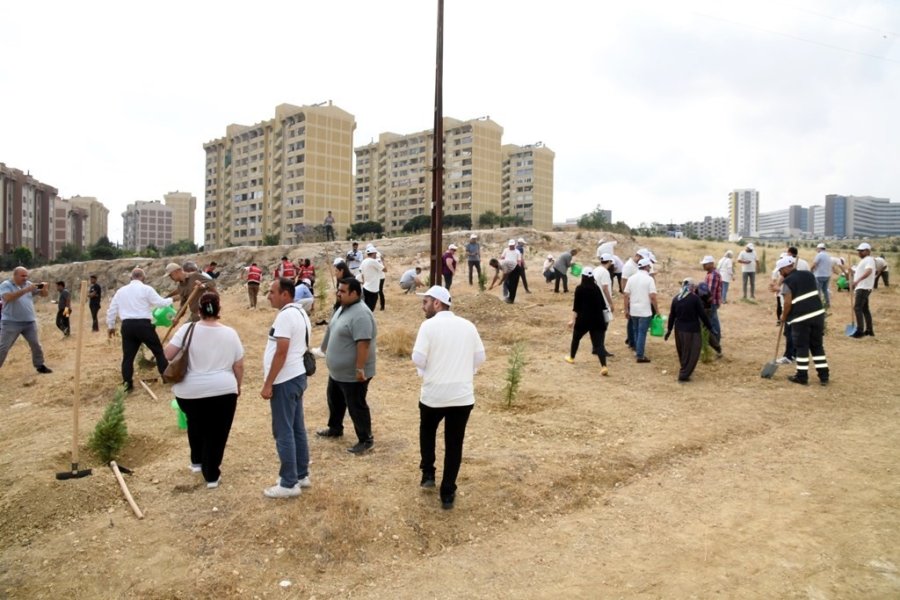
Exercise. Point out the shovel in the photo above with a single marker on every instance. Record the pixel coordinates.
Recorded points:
(75, 472)
(850, 330)
(768, 370)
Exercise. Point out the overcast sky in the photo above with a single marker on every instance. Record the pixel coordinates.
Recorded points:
(655, 109)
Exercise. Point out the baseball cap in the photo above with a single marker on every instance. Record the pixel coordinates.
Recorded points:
(784, 261)
(511, 243)
(644, 262)
(550, 256)
(521, 240)
(473, 236)
(707, 260)
(643, 253)
(371, 250)
(337, 261)
(750, 245)
(606, 257)
(306, 281)
(587, 272)
(172, 267)
(821, 246)
(864, 246)
(438, 293)
(451, 247)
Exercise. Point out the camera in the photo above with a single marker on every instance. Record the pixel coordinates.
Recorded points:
(39, 286)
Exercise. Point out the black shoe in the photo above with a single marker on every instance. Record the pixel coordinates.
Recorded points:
(610, 355)
(361, 447)
(823, 382)
(44, 369)
(129, 387)
(427, 480)
(643, 359)
(447, 501)
(871, 333)
(795, 379)
(858, 334)
(329, 432)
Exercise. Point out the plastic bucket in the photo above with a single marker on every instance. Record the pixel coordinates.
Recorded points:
(162, 316)
(658, 325)
(576, 269)
(182, 418)
(842, 283)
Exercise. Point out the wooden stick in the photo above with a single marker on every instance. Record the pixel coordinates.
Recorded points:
(148, 390)
(181, 310)
(121, 480)
(79, 340)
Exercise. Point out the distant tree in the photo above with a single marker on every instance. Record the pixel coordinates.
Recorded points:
(70, 253)
(151, 251)
(417, 223)
(595, 219)
(511, 220)
(366, 228)
(458, 221)
(103, 249)
(23, 257)
(488, 219)
(271, 239)
(180, 247)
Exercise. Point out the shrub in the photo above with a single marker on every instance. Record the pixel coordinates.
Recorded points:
(397, 342)
(111, 433)
(514, 372)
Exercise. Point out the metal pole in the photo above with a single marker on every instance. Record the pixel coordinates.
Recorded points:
(437, 171)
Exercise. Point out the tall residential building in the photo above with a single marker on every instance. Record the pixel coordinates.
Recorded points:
(816, 220)
(95, 225)
(787, 222)
(147, 224)
(70, 225)
(527, 184)
(712, 228)
(743, 213)
(184, 206)
(26, 213)
(280, 176)
(860, 216)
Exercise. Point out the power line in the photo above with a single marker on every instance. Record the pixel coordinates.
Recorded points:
(840, 20)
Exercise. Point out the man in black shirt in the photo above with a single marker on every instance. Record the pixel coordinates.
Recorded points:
(63, 308)
(95, 292)
(805, 313)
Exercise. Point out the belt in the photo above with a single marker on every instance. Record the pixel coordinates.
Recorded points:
(125, 320)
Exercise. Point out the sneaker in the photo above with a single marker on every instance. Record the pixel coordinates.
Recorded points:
(643, 359)
(305, 482)
(795, 379)
(604, 371)
(44, 369)
(427, 480)
(276, 491)
(447, 501)
(211, 485)
(784, 360)
(569, 360)
(328, 432)
(361, 447)
(870, 333)
(195, 468)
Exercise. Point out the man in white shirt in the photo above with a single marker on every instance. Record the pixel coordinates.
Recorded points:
(726, 271)
(640, 306)
(749, 266)
(410, 281)
(628, 271)
(511, 264)
(284, 383)
(447, 352)
(370, 274)
(133, 304)
(881, 270)
(861, 286)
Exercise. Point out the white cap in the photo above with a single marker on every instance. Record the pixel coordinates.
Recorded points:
(337, 261)
(438, 293)
(863, 246)
(587, 272)
(550, 256)
(644, 262)
(306, 281)
(172, 267)
(511, 243)
(521, 240)
(473, 236)
(652, 257)
(821, 246)
(750, 245)
(643, 253)
(371, 249)
(784, 261)
(606, 257)
(451, 247)
(707, 260)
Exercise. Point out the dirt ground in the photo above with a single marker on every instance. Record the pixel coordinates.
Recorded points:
(631, 486)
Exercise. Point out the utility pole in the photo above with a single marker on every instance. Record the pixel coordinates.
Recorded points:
(437, 169)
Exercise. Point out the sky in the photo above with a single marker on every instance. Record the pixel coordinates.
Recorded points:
(655, 109)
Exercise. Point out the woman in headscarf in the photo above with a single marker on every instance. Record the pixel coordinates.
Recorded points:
(685, 316)
(587, 317)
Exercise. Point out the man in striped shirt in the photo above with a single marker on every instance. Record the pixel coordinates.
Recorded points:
(804, 312)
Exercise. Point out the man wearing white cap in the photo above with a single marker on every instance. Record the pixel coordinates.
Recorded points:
(749, 266)
(821, 268)
(804, 312)
(473, 256)
(511, 266)
(726, 270)
(447, 353)
(520, 246)
(861, 285)
(303, 295)
(370, 274)
(714, 283)
(448, 265)
(640, 305)
(628, 271)
(560, 267)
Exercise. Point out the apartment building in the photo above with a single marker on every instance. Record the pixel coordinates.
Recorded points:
(743, 213)
(787, 222)
(184, 207)
(279, 177)
(26, 213)
(70, 225)
(816, 220)
(97, 217)
(527, 184)
(860, 216)
(147, 223)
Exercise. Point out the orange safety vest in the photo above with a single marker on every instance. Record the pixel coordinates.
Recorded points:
(254, 274)
(287, 269)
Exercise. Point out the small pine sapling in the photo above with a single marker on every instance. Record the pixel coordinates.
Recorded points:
(514, 372)
(110, 433)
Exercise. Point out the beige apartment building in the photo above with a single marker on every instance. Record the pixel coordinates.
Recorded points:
(184, 207)
(147, 224)
(97, 217)
(393, 176)
(70, 225)
(527, 184)
(279, 177)
(26, 212)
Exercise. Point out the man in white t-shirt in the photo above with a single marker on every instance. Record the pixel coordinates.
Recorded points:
(447, 352)
(370, 274)
(726, 271)
(861, 286)
(640, 306)
(629, 269)
(284, 383)
(749, 266)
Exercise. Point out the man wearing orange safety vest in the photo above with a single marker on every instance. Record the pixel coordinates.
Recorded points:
(254, 278)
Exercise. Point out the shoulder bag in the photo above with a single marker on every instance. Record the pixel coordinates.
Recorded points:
(178, 366)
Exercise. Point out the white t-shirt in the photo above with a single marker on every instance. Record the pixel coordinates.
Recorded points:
(869, 282)
(802, 265)
(452, 350)
(509, 258)
(638, 289)
(601, 276)
(617, 264)
(629, 269)
(370, 273)
(213, 351)
(291, 323)
(750, 267)
(726, 269)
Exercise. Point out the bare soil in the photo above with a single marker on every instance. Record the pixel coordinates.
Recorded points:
(627, 486)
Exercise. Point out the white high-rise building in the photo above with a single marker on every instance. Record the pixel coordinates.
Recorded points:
(743, 213)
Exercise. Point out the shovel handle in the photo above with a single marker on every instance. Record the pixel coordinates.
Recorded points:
(778, 339)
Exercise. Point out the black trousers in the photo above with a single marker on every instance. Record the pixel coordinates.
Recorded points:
(512, 284)
(344, 397)
(523, 278)
(476, 266)
(884, 276)
(381, 292)
(209, 423)
(618, 277)
(370, 299)
(598, 335)
(95, 308)
(863, 315)
(808, 337)
(448, 280)
(62, 323)
(455, 419)
(560, 276)
(688, 345)
(134, 333)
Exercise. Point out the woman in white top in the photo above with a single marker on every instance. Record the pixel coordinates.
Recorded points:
(726, 270)
(209, 391)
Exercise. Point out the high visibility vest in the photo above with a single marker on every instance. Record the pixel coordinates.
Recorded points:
(254, 274)
(287, 269)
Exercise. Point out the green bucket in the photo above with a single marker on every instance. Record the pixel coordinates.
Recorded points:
(842, 283)
(658, 325)
(163, 315)
(182, 418)
(576, 269)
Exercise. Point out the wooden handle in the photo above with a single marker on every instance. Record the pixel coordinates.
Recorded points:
(79, 342)
(121, 480)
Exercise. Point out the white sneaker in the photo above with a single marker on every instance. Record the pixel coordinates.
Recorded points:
(276, 491)
(784, 360)
(305, 482)
(195, 468)
(211, 485)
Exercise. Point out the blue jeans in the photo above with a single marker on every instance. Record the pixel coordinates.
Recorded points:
(725, 291)
(640, 325)
(822, 282)
(289, 430)
(713, 314)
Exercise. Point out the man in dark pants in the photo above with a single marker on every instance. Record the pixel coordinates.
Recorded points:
(862, 283)
(447, 352)
(63, 308)
(95, 292)
(805, 313)
(349, 347)
(133, 304)
(473, 257)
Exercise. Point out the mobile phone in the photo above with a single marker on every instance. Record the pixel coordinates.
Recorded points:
(39, 286)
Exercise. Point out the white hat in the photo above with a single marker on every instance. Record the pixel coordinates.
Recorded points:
(521, 240)
(652, 257)
(707, 260)
(821, 246)
(587, 272)
(784, 261)
(863, 246)
(306, 281)
(644, 262)
(550, 256)
(371, 249)
(337, 261)
(473, 236)
(606, 257)
(451, 247)
(750, 245)
(172, 267)
(643, 253)
(438, 293)
(511, 243)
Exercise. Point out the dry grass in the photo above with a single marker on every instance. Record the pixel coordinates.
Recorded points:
(397, 341)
